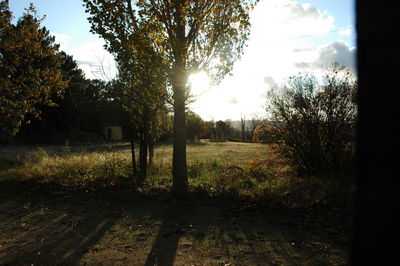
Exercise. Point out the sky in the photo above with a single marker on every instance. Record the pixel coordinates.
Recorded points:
(287, 37)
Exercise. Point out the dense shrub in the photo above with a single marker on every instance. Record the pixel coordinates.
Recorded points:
(315, 122)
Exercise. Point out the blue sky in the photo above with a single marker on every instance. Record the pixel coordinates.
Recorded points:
(62, 16)
(288, 37)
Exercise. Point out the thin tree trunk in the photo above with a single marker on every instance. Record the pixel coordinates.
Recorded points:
(134, 168)
(151, 150)
(143, 155)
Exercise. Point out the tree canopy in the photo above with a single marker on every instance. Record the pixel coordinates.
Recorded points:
(184, 37)
(30, 74)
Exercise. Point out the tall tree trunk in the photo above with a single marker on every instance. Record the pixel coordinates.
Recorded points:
(179, 167)
(134, 168)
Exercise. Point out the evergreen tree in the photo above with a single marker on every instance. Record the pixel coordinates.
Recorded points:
(30, 74)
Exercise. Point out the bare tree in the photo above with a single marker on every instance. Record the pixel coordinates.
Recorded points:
(243, 126)
(253, 124)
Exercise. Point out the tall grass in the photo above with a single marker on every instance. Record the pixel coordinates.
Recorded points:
(247, 170)
(69, 168)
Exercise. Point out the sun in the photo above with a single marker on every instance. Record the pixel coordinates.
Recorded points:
(199, 83)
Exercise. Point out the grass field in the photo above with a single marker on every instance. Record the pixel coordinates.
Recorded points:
(75, 205)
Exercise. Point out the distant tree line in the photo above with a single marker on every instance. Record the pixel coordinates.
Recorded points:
(219, 131)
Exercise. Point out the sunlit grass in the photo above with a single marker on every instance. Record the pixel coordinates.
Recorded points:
(68, 168)
(245, 170)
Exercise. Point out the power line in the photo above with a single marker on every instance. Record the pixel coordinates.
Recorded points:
(307, 36)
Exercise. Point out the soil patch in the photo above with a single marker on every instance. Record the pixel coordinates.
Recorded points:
(124, 228)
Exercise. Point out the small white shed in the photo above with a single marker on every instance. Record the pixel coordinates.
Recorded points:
(112, 132)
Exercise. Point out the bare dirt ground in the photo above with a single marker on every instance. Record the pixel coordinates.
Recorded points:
(38, 227)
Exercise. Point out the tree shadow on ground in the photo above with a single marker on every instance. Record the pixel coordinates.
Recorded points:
(47, 229)
(50, 226)
(224, 231)
(165, 246)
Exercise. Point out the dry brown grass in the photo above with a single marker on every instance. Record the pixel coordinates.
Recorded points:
(247, 170)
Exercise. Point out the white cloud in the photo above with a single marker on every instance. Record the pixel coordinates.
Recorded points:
(279, 20)
(63, 40)
(271, 83)
(93, 54)
(338, 51)
(269, 58)
(232, 100)
(346, 31)
(91, 57)
(276, 28)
